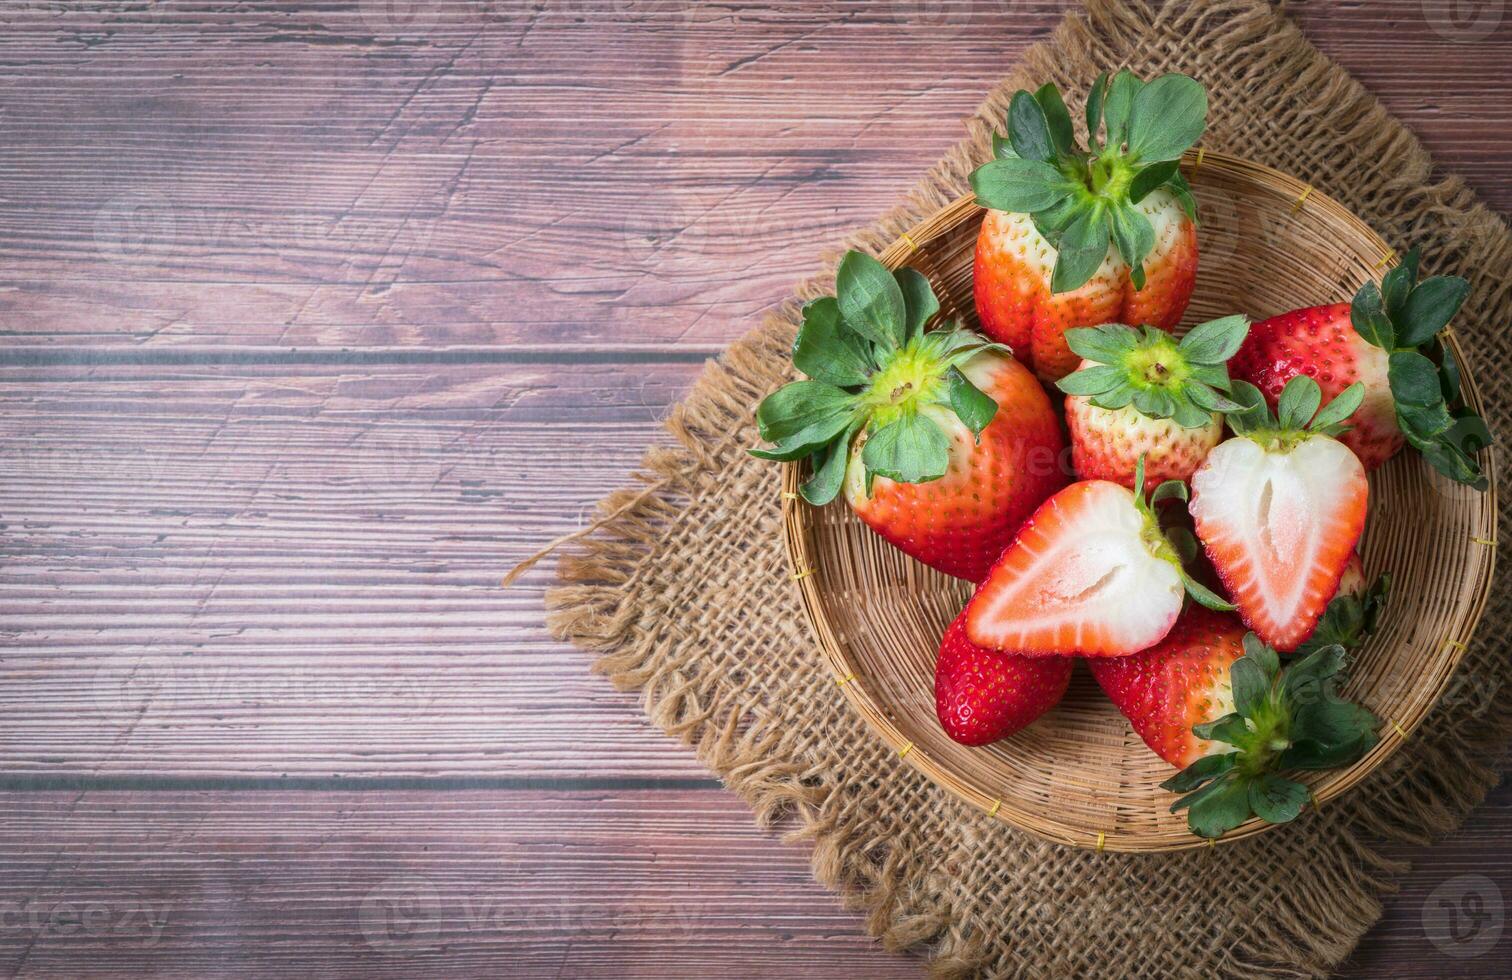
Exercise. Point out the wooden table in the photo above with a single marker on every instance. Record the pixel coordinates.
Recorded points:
(318, 317)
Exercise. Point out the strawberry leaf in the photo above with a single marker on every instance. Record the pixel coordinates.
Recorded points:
(1215, 341)
(1134, 236)
(1341, 408)
(919, 302)
(1092, 380)
(1152, 177)
(1167, 116)
(871, 301)
(1118, 102)
(1369, 318)
(1414, 379)
(1220, 807)
(1205, 769)
(1183, 192)
(1057, 119)
(1019, 186)
(798, 405)
(1298, 403)
(1083, 247)
(1349, 619)
(829, 469)
(1095, 105)
(969, 403)
(827, 349)
(1429, 308)
(1204, 596)
(1250, 686)
(911, 449)
(1277, 800)
(1397, 284)
(1028, 129)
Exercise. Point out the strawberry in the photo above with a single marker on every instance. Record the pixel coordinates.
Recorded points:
(982, 695)
(941, 441)
(1386, 339)
(1142, 393)
(1214, 700)
(1074, 237)
(1279, 509)
(1090, 573)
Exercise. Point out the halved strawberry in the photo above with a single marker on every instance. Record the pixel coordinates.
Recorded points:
(1353, 612)
(1387, 340)
(1142, 393)
(982, 695)
(1214, 700)
(1075, 238)
(1280, 508)
(942, 442)
(1090, 573)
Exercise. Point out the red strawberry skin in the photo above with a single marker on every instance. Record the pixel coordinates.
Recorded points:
(1320, 342)
(1181, 681)
(983, 695)
(961, 522)
(1012, 271)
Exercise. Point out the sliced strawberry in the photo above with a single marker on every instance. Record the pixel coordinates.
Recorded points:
(1279, 510)
(982, 695)
(1090, 573)
(1078, 237)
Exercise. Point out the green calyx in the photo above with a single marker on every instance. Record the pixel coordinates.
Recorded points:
(875, 372)
(1403, 317)
(1083, 199)
(1176, 545)
(1162, 377)
(1300, 412)
(1349, 619)
(1292, 719)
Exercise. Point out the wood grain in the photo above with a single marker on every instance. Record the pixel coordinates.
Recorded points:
(314, 319)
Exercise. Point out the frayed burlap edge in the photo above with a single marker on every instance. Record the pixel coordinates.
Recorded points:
(1426, 789)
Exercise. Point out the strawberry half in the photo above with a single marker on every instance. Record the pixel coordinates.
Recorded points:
(1143, 393)
(1279, 509)
(1387, 340)
(982, 695)
(1090, 573)
(942, 442)
(1075, 237)
(1214, 700)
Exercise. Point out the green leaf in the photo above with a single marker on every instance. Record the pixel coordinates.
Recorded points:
(911, 449)
(871, 301)
(1414, 379)
(827, 350)
(1315, 755)
(1152, 177)
(1183, 192)
(1083, 247)
(1095, 104)
(1154, 402)
(1231, 728)
(919, 302)
(1019, 186)
(1134, 236)
(799, 405)
(1348, 619)
(1250, 686)
(1209, 400)
(1186, 413)
(1204, 769)
(1277, 800)
(1002, 149)
(1341, 407)
(1215, 341)
(1263, 655)
(1449, 372)
(1116, 106)
(1429, 308)
(1222, 806)
(1369, 318)
(829, 474)
(1092, 380)
(1331, 721)
(1028, 130)
(1107, 344)
(972, 406)
(1398, 283)
(1057, 118)
(1298, 403)
(1168, 115)
(1311, 678)
(1254, 413)
(1168, 490)
(1205, 596)
(1184, 541)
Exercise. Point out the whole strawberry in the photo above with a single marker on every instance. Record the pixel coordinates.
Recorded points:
(982, 695)
(1076, 237)
(1214, 700)
(1143, 393)
(942, 442)
(1386, 339)
(1280, 508)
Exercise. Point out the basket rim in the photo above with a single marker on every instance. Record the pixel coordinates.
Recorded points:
(796, 536)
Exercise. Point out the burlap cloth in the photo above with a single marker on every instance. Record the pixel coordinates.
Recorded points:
(685, 591)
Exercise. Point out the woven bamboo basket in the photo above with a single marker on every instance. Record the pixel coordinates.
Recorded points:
(1080, 776)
